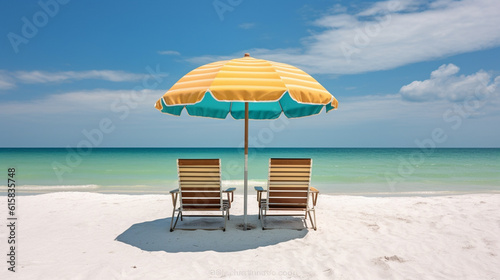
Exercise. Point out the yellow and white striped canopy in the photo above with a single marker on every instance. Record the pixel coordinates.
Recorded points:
(219, 88)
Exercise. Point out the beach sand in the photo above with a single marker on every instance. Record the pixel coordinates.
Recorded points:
(108, 236)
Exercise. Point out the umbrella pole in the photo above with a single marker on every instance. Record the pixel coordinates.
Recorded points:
(245, 183)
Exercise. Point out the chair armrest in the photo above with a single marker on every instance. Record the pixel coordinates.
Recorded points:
(259, 190)
(314, 195)
(230, 195)
(174, 194)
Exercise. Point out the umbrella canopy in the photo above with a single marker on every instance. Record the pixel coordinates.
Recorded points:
(247, 88)
(219, 88)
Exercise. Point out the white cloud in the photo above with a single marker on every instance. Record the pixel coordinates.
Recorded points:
(384, 109)
(247, 25)
(9, 80)
(390, 34)
(5, 84)
(6, 80)
(381, 8)
(445, 84)
(89, 101)
(169, 53)
(35, 77)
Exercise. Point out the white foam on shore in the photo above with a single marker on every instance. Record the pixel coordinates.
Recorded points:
(416, 193)
(55, 188)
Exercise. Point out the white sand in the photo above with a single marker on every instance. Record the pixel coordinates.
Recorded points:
(102, 236)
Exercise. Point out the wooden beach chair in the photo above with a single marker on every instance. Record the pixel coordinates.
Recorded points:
(288, 190)
(200, 191)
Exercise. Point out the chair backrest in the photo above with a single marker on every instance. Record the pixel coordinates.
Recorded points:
(200, 184)
(288, 184)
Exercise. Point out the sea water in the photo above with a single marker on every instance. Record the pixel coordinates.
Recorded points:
(364, 171)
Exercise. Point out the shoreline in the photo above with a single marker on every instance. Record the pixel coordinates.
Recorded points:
(3, 192)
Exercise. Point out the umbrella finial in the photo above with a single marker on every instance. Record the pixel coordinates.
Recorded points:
(247, 55)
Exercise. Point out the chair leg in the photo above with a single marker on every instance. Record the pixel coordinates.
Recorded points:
(305, 221)
(172, 221)
(260, 208)
(305, 218)
(261, 215)
(226, 217)
(311, 217)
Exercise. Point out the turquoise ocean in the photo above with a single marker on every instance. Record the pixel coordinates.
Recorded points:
(350, 171)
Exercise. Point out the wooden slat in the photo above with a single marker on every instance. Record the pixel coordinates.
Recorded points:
(291, 161)
(287, 169)
(208, 179)
(199, 169)
(303, 168)
(287, 194)
(187, 162)
(199, 187)
(288, 205)
(287, 208)
(199, 174)
(200, 201)
(285, 189)
(290, 174)
(288, 183)
(199, 179)
(201, 208)
(292, 186)
(198, 183)
(209, 188)
(291, 170)
(200, 194)
(187, 177)
(194, 166)
(215, 187)
(288, 200)
(289, 179)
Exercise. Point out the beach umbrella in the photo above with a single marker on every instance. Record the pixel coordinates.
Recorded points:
(249, 89)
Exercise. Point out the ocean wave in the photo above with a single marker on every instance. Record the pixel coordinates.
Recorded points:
(52, 188)
(413, 193)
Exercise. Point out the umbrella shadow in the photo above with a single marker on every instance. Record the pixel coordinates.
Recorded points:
(155, 235)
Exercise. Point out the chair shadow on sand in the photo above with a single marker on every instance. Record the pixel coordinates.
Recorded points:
(155, 235)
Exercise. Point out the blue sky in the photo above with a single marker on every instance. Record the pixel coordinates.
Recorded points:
(406, 73)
